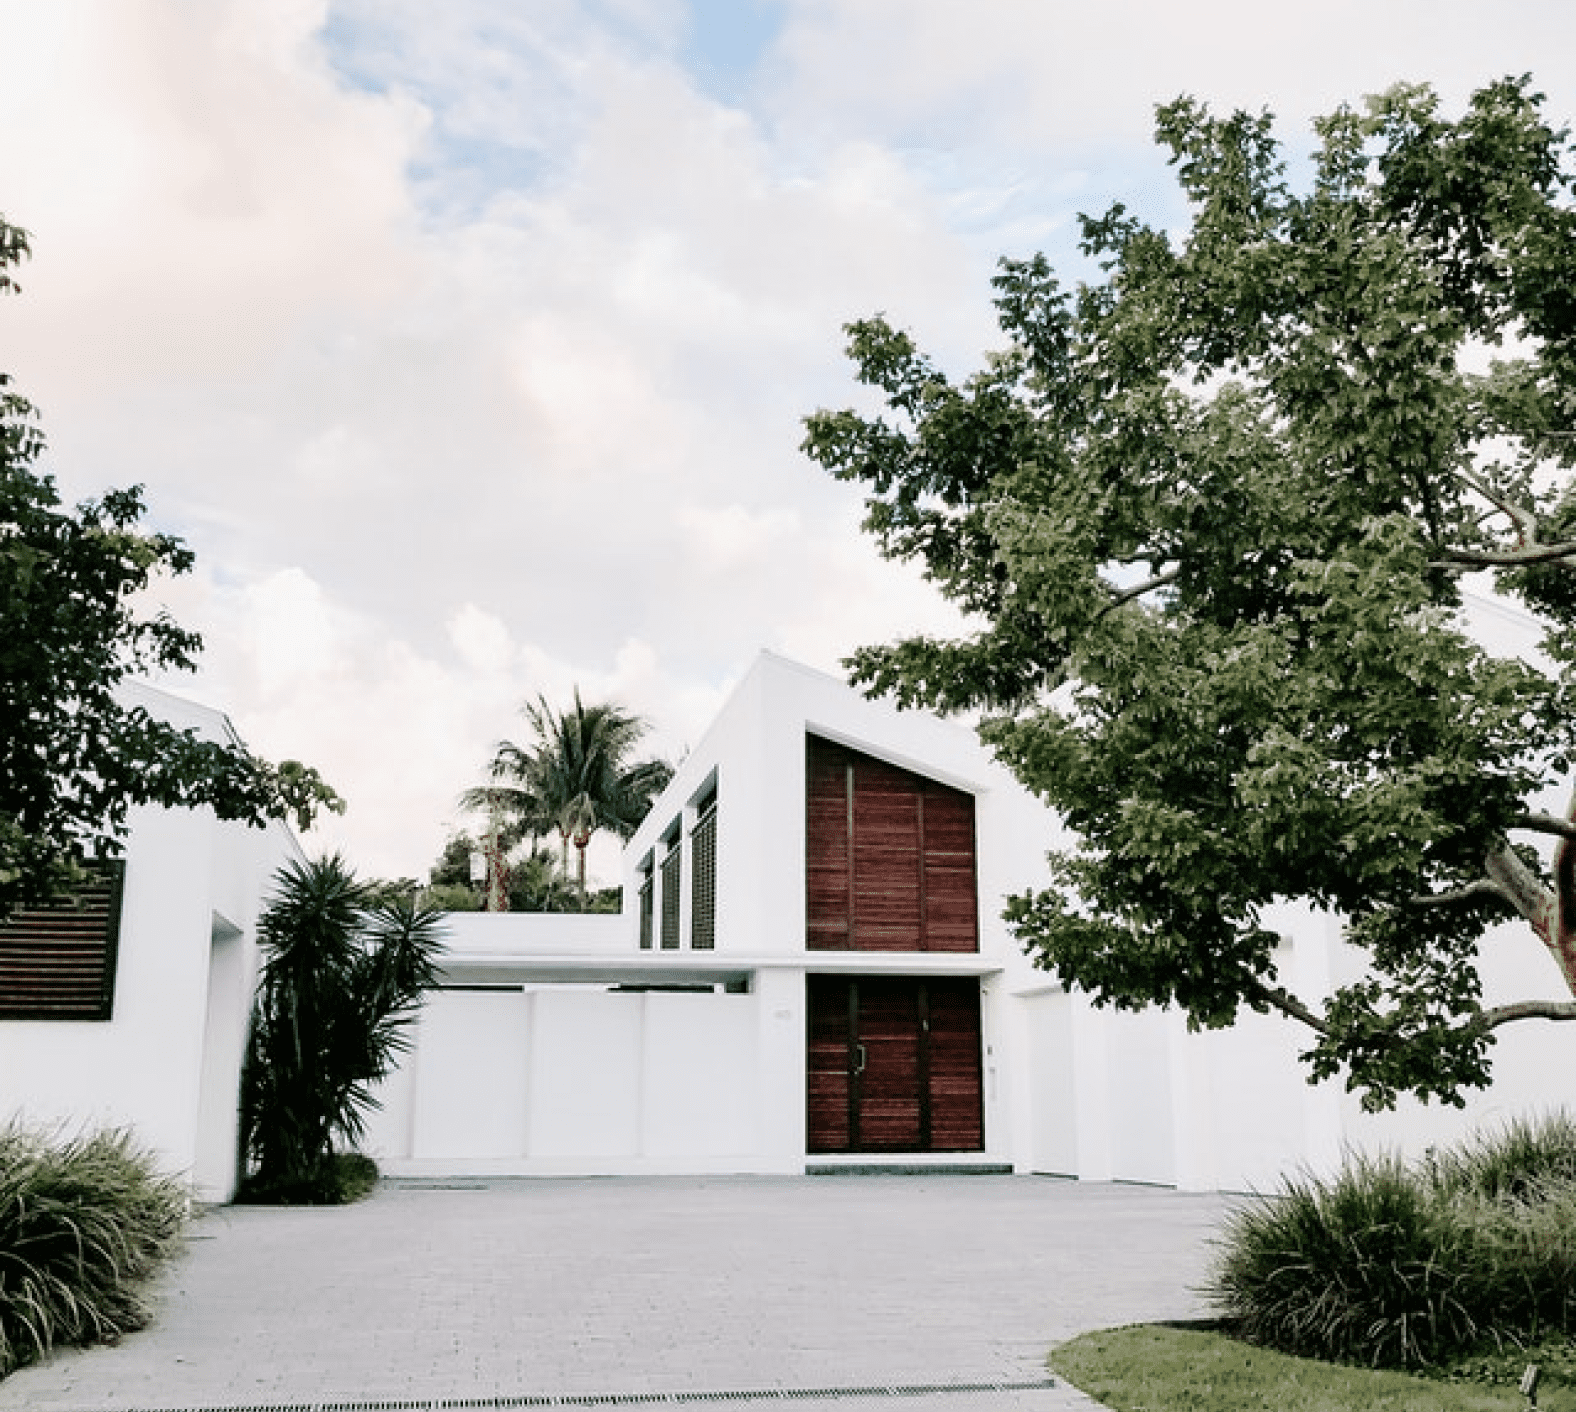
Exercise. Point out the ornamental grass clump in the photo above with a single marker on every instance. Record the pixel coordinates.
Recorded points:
(84, 1223)
(1406, 1267)
(1520, 1161)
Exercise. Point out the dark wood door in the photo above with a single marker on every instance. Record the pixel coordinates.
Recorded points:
(894, 1065)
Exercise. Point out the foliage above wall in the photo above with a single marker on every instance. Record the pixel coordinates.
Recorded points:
(74, 758)
(1217, 513)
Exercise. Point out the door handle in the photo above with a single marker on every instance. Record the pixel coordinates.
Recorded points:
(859, 1064)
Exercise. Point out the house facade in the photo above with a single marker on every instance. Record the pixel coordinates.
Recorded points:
(812, 974)
(132, 1012)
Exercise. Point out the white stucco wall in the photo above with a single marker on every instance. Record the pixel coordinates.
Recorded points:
(549, 1079)
(577, 1079)
(166, 1065)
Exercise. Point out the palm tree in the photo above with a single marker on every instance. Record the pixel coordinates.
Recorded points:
(341, 980)
(575, 779)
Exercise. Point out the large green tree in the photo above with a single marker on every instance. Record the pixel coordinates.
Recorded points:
(74, 756)
(575, 778)
(1219, 513)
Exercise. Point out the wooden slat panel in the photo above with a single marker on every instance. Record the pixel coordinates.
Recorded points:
(827, 876)
(921, 1084)
(956, 1088)
(889, 857)
(828, 1069)
(703, 888)
(889, 1088)
(951, 901)
(887, 852)
(671, 878)
(58, 963)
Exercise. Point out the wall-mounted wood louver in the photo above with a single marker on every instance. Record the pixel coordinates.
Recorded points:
(889, 856)
(58, 962)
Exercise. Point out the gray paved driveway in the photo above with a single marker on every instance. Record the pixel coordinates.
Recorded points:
(660, 1290)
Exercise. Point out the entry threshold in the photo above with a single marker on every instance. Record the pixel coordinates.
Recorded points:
(906, 1167)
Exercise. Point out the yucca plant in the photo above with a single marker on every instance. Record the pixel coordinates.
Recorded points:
(340, 983)
(84, 1223)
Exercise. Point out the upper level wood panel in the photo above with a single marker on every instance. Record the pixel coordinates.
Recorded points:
(889, 856)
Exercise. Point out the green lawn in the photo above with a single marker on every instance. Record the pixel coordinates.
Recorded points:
(1153, 1368)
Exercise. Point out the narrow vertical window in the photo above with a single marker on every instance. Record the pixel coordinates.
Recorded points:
(648, 901)
(703, 873)
(671, 880)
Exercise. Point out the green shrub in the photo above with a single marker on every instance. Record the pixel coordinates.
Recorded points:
(343, 1178)
(1403, 1267)
(1515, 1162)
(84, 1223)
(1349, 1270)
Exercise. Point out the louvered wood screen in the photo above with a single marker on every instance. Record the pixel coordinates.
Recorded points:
(894, 1065)
(889, 857)
(703, 881)
(892, 1084)
(58, 962)
(672, 867)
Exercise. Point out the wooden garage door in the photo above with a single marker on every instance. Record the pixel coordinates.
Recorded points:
(889, 856)
(894, 1065)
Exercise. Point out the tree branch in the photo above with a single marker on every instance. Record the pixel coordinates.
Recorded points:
(1525, 520)
(1523, 888)
(1287, 1004)
(1483, 887)
(1127, 595)
(1545, 823)
(1527, 1010)
(1462, 559)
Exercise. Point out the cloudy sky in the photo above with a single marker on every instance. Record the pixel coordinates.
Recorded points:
(467, 341)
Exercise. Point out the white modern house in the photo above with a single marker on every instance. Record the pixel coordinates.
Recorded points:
(130, 1011)
(811, 974)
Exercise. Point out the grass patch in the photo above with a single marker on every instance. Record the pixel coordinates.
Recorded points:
(1157, 1368)
(84, 1224)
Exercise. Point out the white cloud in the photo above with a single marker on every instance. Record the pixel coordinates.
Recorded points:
(731, 538)
(1059, 76)
(482, 640)
(468, 344)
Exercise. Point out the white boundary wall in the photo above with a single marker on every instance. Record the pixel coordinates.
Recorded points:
(167, 1064)
(539, 1079)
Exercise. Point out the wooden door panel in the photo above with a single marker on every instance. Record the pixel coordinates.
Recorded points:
(893, 1065)
(829, 1076)
(957, 1118)
(890, 1085)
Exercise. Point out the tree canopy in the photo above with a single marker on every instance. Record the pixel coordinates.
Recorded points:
(1220, 514)
(74, 756)
(574, 779)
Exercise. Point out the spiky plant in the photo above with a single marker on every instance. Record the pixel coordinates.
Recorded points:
(1400, 1266)
(340, 984)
